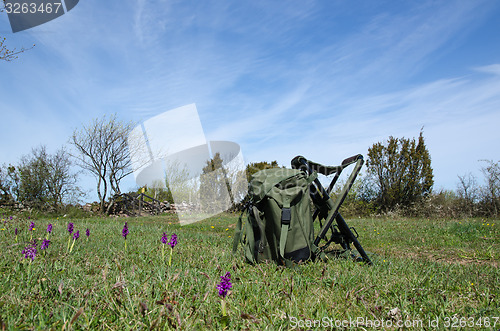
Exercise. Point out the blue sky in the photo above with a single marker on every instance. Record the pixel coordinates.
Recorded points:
(324, 79)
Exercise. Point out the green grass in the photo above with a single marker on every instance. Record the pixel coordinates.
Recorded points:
(426, 270)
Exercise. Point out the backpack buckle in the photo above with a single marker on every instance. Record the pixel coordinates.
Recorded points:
(286, 216)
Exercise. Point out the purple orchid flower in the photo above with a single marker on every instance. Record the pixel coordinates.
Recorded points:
(71, 227)
(225, 285)
(173, 241)
(125, 231)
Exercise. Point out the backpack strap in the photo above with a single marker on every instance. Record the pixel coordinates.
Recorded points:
(286, 217)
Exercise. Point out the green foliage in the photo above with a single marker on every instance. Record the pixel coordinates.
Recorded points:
(254, 167)
(401, 172)
(359, 201)
(41, 180)
(242, 184)
(33, 177)
(158, 193)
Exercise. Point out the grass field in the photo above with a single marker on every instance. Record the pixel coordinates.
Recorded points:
(428, 273)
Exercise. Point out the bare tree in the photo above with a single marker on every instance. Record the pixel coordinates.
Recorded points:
(7, 54)
(103, 151)
(491, 192)
(468, 192)
(61, 181)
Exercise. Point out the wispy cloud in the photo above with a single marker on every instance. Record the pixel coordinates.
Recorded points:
(459, 117)
(325, 79)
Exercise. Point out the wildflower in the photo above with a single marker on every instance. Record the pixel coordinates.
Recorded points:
(45, 244)
(164, 238)
(172, 243)
(49, 230)
(76, 235)
(87, 233)
(125, 233)
(15, 232)
(30, 251)
(71, 227)
(32, 227)
(213, 227)
(224, 286)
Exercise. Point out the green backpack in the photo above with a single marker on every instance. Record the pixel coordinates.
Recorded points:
(279, 226)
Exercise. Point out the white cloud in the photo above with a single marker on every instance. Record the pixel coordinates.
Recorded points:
(279, 78)
(458, 115)
(493, 69)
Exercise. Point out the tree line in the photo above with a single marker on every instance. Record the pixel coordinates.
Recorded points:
(399, 180)
(398, 177)
(40, 180)
(45, 181)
